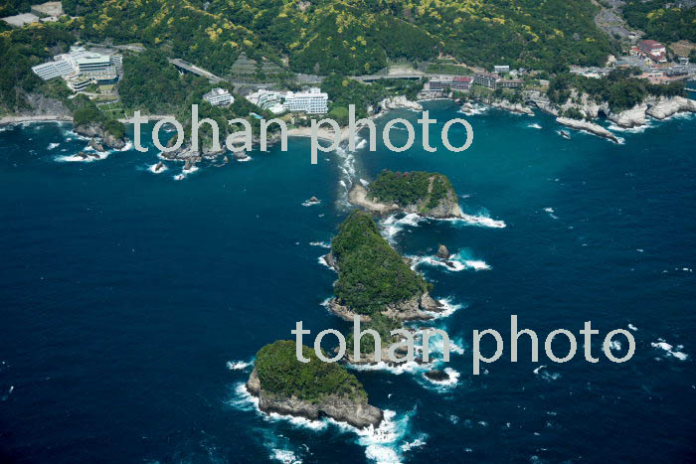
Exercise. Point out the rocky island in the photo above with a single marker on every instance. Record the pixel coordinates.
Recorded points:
(312, 390)
(424, 193)
(373, 278)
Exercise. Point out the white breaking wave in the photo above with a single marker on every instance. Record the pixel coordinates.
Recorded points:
(51, 146)
(128, 146)
(481, 220)
(551, 213)
(473, 109)
(670, 351)
(633, 327)
(311, 202)
(392, 225)
(238, 365)
(346, 166)
(326, 245)
(383, 445)
(152, 168)
(285, 456)
(534, 125)
(450, 308)
(322, 260)
(455, 263)
(631, 130)
(544, 373)
(79, 159)
(185, 172)
(449, 383)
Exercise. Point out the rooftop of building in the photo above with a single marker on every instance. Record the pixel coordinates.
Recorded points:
(49, 8)
(21, 19)
(651, 43)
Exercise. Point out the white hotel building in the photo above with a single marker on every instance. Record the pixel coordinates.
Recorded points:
(79, 68)
(312, 101)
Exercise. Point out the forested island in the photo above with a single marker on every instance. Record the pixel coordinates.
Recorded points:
(315, 389)
(424, 193)
(372, 277)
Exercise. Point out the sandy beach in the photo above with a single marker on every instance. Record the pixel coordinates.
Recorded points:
(38, 118)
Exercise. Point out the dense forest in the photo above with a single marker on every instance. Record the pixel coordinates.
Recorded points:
(352, 36)
(371, 273)
(20, 49)
(281, 373)
(411, 188)
(662, 19)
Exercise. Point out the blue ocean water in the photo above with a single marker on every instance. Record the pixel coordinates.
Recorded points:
(132, 302)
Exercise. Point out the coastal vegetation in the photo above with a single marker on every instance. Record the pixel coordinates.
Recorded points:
(662, 20)
(280, 373)
(380, 323)
(621, 89)
(352, 36)
(20, 49)
(371, 274)
(425, 189)
(86, 113)
(345, 91)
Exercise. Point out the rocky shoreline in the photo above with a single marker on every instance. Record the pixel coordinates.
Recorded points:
(359, 414)
(587, 126)
(97, 131)
(447, 209)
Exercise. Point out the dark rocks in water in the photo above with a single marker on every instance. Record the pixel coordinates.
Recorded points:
(97, 130)
(443, 252)
(437, 375)
(314, 200)
(86, 155)
(190, 163)
(159, 166)
(240, 155)
(95, 144)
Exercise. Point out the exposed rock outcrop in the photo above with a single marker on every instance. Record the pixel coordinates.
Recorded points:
(633, 117)
(341, 408)
(588, 126)
(512, 107)
(437, 375)
(96, 145)
(443, 252)
(400, 101)
(419, 308)
(97, 130)
(666, 107)
(448, 207)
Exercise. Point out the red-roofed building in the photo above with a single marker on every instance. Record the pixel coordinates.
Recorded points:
(653, 50)
(461, 83)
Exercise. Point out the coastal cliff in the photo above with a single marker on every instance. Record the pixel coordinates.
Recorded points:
(427, 194)
(313, 390)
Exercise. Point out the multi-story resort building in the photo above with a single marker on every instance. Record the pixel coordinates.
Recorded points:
(52, 69)
(486, 79)
(269, 100)
(219, 97)
(80, 68)
(312, 101)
